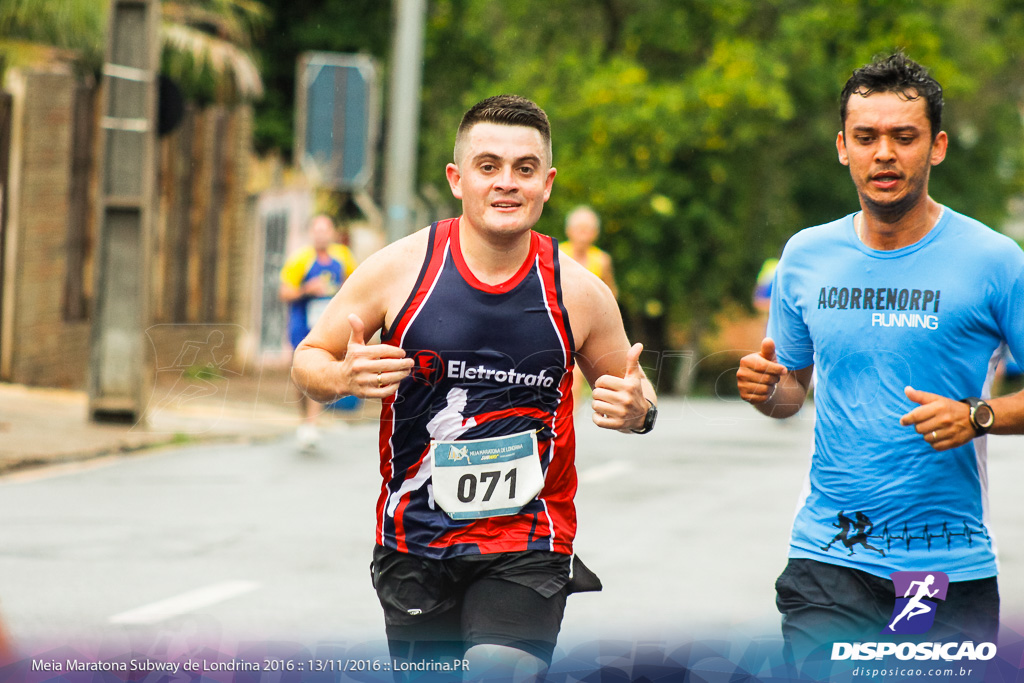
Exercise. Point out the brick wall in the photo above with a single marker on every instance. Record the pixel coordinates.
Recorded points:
(241, 285)
(204, 231)
(45, 350)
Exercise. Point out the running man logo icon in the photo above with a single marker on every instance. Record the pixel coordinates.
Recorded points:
(458, 453)
(914, 612)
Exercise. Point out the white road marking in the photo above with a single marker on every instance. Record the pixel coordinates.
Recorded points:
(184, 603)
(608, 470)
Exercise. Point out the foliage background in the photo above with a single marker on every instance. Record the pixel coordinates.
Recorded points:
(702, 131)
(207, 43)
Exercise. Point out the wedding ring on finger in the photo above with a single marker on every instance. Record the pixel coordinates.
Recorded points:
(380, 384)
(935, 437)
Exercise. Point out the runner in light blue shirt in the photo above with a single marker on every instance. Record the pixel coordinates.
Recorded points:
(873, 322)
(898, 313)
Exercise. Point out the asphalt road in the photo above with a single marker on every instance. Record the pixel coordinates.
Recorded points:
(687, 528)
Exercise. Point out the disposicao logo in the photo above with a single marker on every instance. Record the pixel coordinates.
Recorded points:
(917, 594)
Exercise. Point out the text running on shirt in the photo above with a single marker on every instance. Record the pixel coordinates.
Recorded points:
(906, 301)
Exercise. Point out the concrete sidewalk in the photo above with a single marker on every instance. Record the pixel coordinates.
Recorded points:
(41, 427)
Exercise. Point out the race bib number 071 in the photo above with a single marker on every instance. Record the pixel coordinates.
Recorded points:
(486, 477)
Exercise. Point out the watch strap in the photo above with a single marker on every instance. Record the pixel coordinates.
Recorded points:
(649, 419)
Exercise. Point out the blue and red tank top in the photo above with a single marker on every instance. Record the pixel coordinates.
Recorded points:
(490, 360)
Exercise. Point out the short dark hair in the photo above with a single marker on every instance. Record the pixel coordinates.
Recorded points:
(899, 74)
(509, 110)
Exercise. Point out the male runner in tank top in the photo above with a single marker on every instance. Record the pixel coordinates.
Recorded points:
(481, 325)
(900, 311)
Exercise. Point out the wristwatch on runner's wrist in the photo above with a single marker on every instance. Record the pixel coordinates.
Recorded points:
(981, 415)
(649, 419)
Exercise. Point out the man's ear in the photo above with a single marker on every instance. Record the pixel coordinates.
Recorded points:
(454, 180)
(844, 158)
(549, 182)
(939, 146)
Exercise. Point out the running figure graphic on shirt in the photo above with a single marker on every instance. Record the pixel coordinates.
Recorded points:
(863, 527)
(447, 425)
(915, 606)
(458, 454)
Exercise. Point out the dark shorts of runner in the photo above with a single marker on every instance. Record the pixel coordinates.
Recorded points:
(437, 609)
(824, 603)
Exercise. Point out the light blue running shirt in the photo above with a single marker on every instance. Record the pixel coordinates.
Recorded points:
(930, 315)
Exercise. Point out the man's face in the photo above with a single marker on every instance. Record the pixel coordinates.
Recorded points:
(503, 178)
(582, 228)
(322, 232)
(888, 146)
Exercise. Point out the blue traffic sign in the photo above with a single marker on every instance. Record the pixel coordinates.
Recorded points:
(337, 119)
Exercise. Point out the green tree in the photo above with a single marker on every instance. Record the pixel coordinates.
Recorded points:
(41, 30)
(207, 43)
(703, 132)
(209, 46)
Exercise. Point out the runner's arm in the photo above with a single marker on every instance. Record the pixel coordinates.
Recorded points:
(769, 386)
(789, 396)
(1009, 412)
(335, 360)
(622, 393)
(945, 422)
(1009, 409)
(312, 288)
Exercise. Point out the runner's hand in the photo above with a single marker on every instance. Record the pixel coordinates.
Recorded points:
(372, 371)
(945, 423)
(619, 402)
(759, 374)
(317, 287)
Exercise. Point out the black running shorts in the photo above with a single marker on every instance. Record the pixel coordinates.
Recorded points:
(823, 603)
(437, 609)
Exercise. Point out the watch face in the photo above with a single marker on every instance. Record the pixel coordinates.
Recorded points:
(983, 416)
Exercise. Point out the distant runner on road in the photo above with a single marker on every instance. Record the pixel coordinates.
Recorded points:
(310, 277)
(582, 227)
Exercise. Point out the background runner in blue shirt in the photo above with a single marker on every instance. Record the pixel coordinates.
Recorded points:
(309, 279)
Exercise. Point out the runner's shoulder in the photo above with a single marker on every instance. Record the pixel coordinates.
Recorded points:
(991, 243)
(588, 301)
(303, 256)
(823, 235)
(404, 254)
